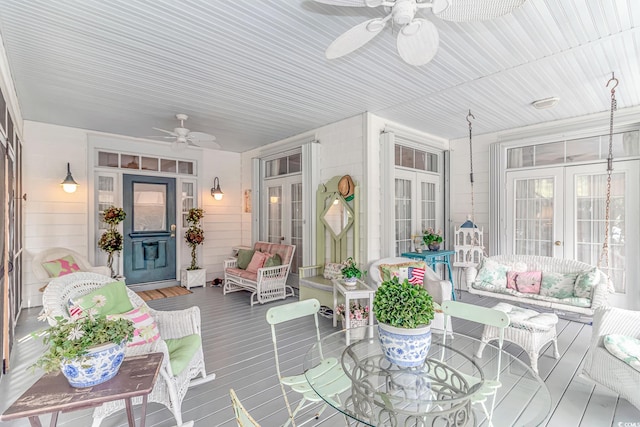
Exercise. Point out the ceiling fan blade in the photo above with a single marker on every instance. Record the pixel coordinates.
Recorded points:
(355, 38)
(418, 42)
(352, 3)
(165, 131)
(204, 140)
(477, 10)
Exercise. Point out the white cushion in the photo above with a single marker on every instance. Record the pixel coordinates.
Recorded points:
(624, 348)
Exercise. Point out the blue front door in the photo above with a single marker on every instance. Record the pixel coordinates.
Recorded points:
(149, 253)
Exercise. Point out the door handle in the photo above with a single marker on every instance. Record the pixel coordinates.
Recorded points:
(557, 243)
(173, 227)
(282, 238)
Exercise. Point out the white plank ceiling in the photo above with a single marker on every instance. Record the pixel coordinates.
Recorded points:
(253, 71)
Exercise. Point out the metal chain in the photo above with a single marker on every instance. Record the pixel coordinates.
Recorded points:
(604, 255)
(474, 242)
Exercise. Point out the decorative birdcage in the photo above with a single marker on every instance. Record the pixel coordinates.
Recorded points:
(468, 245)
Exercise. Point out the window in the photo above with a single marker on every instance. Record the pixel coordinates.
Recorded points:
(145, 163)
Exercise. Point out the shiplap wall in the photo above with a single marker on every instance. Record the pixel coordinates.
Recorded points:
(55, 218)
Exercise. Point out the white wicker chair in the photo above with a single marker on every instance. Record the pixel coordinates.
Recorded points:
(169, 389)
(604, 368)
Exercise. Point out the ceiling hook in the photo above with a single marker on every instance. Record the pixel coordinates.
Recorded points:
(613, 79)
(469, 117)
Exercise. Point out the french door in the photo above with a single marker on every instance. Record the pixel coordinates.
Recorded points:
(283, 222)
(560, 212)
(417, 206)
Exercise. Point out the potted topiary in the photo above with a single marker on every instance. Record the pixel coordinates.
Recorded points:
(404, 312)
(350, 272)
(87, 348)
(432, 239)
(111, 240)
(194, 236)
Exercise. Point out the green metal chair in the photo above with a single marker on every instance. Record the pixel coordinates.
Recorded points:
(328, 377)
(242, 416)
(485, 316)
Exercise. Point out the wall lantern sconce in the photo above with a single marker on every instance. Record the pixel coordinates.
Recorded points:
(69, 185)
(216, 193)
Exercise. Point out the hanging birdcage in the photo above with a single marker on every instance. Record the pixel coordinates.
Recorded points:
(468, 245)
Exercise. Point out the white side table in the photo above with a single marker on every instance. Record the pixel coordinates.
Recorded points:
(359, 291)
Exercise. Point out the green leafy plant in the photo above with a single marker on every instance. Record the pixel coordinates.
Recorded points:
(402, 304)
(73, 338)
(430, 236)
(111, 240)
(194, 235)
(350, 269)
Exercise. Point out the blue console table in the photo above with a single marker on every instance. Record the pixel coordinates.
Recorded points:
(435, 257)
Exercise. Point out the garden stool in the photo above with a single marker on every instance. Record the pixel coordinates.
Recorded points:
(528, 329)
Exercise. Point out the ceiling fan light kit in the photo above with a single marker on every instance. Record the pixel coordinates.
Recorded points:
(418, 38)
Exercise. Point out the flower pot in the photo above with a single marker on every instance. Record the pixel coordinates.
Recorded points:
(354, 323)
(350, 281)
(193, 278)
(434, 246)
(101, 364)
(405, 347)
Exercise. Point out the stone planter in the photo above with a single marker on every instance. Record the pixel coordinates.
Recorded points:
(193, 278)
(405, 347)
(101, 364)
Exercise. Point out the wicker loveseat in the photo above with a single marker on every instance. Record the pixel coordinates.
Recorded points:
(268, 283)
(568, 303)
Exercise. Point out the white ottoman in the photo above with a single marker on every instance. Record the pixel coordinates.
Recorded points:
(528, 328)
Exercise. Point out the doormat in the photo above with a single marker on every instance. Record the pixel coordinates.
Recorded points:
(173, 291)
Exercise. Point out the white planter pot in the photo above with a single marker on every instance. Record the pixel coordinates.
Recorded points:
(193, 278)
(405, 347)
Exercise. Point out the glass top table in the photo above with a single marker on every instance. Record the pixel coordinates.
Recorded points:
(451, 388)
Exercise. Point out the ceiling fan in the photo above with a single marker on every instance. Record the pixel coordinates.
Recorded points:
(417, 37)
(183, 137)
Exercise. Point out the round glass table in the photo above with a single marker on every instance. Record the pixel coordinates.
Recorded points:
(453, 387)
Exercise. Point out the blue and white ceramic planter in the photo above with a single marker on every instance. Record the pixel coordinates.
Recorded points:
(405, 347)
(100, 365)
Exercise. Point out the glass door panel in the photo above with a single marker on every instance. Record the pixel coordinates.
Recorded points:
(297, 222)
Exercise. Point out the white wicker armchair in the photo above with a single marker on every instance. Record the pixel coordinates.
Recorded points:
(170, 389)
(56, 253)
(604, 368)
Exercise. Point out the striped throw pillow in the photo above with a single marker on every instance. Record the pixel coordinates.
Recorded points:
(146, 328)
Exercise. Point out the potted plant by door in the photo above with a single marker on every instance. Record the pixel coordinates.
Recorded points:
(87, 348)
(350, 272)
(404, 312)
(111, 240)
(194, 236)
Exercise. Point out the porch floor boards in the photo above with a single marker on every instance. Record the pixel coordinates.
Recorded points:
(238, 349)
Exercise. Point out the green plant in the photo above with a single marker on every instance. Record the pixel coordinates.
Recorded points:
(111, 240)
(194, 235)
(402, 304)
(74, 338)
(350, 269)
(430, 236)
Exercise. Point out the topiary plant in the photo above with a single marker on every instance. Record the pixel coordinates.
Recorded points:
(402, 304)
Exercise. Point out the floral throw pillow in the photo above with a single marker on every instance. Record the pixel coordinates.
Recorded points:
(585, 282)
(146, 328)
(61, 267)
(332, 270)
(557, 285)
(624, 348)
(492, 273)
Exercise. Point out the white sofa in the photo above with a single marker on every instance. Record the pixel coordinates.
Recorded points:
(584, 306)
(269, 283)
(56, 253)
(604, 368)
(440, 290)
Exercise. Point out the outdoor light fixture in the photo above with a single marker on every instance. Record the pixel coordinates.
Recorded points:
(69, 185)
(216, 193)
(542, 104)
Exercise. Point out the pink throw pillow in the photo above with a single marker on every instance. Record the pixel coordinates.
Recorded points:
(257, 261)
(527, 282)
(511, 279)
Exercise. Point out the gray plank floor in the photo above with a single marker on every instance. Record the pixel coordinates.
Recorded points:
(237, 347)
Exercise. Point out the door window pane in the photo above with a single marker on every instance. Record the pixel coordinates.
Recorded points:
(188, 201)
(149, 163)
(149, 207)
(533, 232)
(167, 165)
(274, 221)
(297, 222)
(108, 159)
(403, 215)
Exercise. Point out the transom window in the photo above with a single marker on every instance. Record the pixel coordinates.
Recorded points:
(145, 163)
(415, 159)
